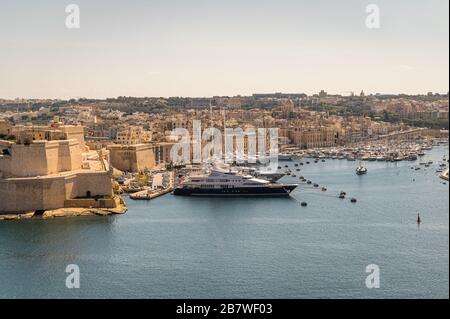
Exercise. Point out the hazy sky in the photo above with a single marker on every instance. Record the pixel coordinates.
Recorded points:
(226, 47)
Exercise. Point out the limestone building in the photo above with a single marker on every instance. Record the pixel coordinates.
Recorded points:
(50, 168)
(5, 128)
(133, 135)
(132, 158)
(139, 157)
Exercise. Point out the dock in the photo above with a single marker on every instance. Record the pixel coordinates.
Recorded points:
(149, 195)
(158, 188)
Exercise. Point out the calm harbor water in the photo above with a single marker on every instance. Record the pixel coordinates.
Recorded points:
(175, 247)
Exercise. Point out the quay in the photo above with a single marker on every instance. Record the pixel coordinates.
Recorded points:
(149, 194)
(158, 189)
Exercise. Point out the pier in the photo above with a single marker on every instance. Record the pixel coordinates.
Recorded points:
(149, 195)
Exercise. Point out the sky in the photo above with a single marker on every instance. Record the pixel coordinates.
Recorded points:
(165, 48)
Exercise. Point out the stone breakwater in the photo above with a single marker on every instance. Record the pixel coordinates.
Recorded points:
(67, 212)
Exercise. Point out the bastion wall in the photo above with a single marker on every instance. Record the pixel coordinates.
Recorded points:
(31, 194)
(40, 158)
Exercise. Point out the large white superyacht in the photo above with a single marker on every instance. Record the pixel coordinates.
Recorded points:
(218, 182)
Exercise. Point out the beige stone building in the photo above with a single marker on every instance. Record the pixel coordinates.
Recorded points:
(39, 158)
(133, 135)
(39, 174)
(139, 157)
(29, 134)
(312, 137)
(5, 128)
(132, 158)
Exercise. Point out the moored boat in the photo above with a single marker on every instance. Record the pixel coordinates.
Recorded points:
(361, 170)
(225, 183)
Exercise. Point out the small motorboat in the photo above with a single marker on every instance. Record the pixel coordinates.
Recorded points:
(361, 170)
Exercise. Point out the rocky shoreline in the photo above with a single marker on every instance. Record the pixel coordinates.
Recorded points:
(67, 212)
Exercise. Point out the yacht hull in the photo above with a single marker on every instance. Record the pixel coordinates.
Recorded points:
(285, 190)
